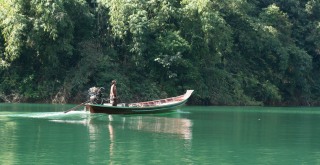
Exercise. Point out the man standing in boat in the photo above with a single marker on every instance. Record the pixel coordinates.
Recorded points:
(113, 93)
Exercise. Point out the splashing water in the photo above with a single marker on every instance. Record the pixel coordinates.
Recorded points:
(49, 115)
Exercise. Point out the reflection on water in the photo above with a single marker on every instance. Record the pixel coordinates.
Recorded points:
(120, 136)
(180, 127)
(108, 135)
(177, 126)
(118, 133)
(173, 127)
(145, 123)
(204, 135)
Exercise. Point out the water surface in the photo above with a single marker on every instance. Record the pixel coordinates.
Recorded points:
(44, 134)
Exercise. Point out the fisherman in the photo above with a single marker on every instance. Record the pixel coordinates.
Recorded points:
(113, 93)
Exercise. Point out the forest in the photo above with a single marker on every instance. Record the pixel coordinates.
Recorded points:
(231, 52)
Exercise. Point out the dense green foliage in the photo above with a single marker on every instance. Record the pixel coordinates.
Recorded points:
(231, 52)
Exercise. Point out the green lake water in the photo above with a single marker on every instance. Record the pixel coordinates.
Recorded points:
(43, 134)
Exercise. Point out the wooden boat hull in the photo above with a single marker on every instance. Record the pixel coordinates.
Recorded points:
(174, 104)
(94, 108)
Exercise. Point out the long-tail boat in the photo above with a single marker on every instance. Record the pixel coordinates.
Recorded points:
(154, 106)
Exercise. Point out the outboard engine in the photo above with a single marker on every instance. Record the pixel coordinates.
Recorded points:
(95, 95)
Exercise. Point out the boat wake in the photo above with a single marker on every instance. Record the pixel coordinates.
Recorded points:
(50, 115)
